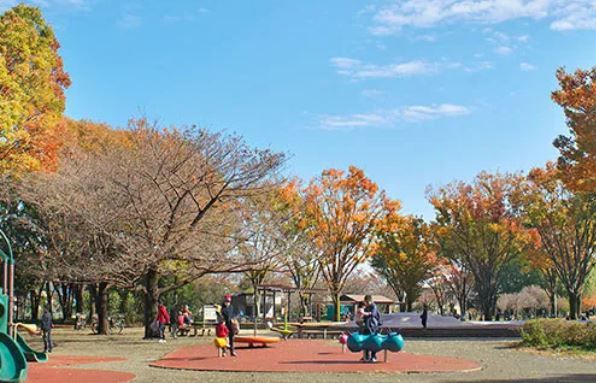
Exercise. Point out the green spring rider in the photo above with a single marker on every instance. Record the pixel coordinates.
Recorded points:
(14, 350)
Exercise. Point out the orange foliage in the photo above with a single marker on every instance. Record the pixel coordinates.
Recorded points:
(577, 97)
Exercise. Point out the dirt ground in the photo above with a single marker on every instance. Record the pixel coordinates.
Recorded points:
(500, 361)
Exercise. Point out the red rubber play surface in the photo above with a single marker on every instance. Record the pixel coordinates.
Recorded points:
(307, 356)
(57, 370)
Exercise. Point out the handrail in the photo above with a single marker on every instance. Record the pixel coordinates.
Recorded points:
(6, 257)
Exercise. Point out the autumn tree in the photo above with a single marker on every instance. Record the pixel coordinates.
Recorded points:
(177, 192)
(539, 260)
(404, 256)
(577, 160)
(339, 213)
(459, 283)
(477, 228)
(262, 242)
(32, 84)
(565, 224)
(299, 257)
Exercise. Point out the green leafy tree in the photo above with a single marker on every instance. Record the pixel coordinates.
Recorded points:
(32, 84)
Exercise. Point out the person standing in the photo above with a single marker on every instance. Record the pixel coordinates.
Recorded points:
(372, 323)
(173, 322)
(227, 312)
(163, 318)
(424, 316)
(46, 330)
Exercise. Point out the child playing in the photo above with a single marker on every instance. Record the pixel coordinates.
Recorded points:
(360, 314)
(221, 332)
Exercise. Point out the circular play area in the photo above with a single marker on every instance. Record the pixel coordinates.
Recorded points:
(307, 356)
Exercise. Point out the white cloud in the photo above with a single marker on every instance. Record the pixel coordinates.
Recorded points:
(562, 14)
(526, 67)
(503, 50)
(187, 17)
(356, 69)
(372, 93)
(355, 121)
(130, 21)
(422, 112)
(391, 117)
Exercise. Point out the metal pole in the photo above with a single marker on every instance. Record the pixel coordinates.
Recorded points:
(4, 277)
(10, 298)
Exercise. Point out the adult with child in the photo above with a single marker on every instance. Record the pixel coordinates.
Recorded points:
(372, 324)
(227, 312)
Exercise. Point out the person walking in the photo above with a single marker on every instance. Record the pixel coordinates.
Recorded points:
(372, 324)
(227, 312)
(46, 330)
(424, 316)
(163, 318)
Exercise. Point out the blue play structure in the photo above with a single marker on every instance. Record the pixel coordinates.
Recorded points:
(393, 342)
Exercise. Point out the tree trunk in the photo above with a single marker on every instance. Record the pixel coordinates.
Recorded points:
(92, 293)
(49, 296)
(487, 292)
(79, 304)
(409, 302)
(101, 306)
(151, 299)
(35, 301)
(553, 305)
(337, 303)
(574, 305)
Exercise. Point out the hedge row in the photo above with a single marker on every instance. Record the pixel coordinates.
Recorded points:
(557, 333)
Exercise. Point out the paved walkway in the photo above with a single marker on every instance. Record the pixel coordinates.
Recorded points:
(307, 356)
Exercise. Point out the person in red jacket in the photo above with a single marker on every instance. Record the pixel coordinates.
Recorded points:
(163, 318)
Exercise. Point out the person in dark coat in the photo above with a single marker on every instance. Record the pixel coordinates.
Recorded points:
(372, 324)
(46, 330)
(424, 316)
(227, 312)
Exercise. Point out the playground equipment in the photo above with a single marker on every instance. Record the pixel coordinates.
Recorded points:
(254, 340)
(392, 342)
(14, 350)
(285, 331)
(343, 340)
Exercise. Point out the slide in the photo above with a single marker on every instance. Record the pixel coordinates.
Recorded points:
(13, 366)
(31, 354)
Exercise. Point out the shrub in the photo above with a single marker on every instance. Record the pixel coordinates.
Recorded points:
(557, 333)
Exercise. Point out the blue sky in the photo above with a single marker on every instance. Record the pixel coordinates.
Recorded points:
(416, 93)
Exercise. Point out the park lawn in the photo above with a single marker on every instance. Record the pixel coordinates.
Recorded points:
(500, 360)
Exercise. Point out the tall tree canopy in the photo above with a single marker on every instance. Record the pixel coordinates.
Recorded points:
(340, 213)
(32, 84)
(476, 227)
(405, 256)
(565, 224)
(577, 97)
